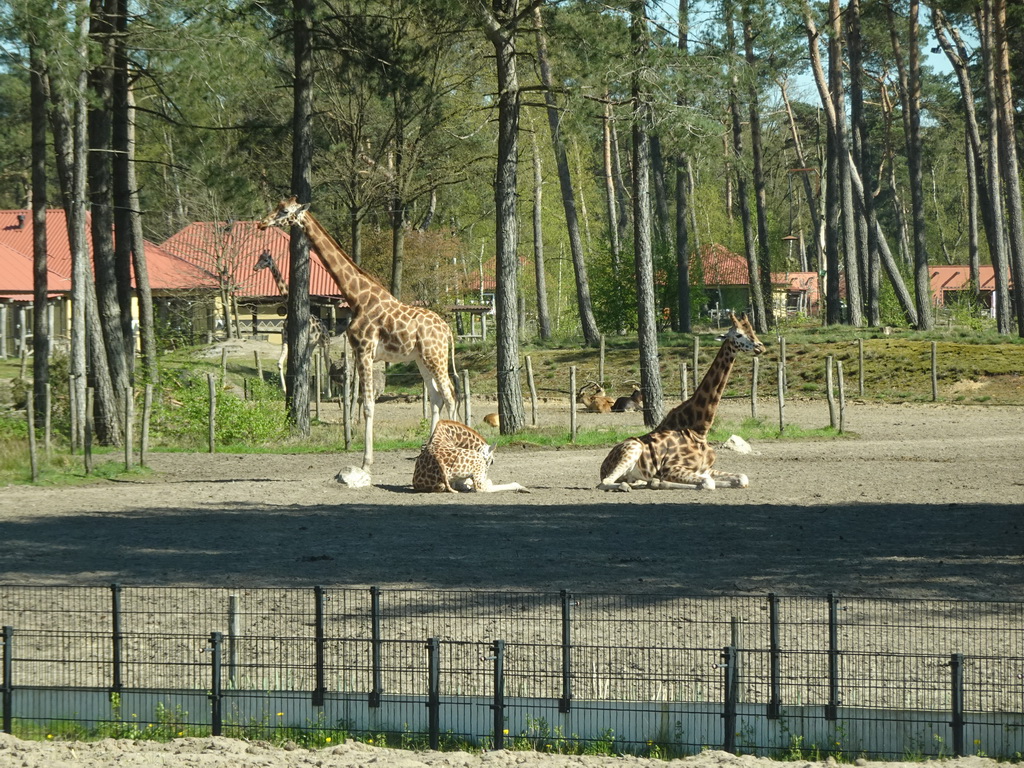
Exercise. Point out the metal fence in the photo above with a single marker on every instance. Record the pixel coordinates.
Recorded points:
(651, 674)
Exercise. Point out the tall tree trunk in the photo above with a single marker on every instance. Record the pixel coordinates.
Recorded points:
(662, 231)
(70, 147)
(973, 243)
(915, 152)
(682, 244)
(109, 404)
(833, 308)
(764, 259)
(297, 375)
(121, 189)
(543, 316)
(499, 26)
(757, 302)
(650, 372)
(1008, 163)
(588, 324)
(862, 161)
(1000, 257)
(40, 287)
(143, 293)
(844, 191)
(614, 244)
(977, 175)
(805, 177)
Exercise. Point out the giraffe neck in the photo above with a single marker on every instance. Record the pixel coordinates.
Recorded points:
(355, 284)
(698, 413)
(282, 286)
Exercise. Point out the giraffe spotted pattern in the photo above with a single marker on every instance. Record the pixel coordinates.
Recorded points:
(456, 459)
(676, 454)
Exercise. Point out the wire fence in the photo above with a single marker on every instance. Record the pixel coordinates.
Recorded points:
(651, 674)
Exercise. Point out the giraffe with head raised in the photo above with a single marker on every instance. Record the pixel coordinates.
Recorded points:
(319, 338)
(382, 327)
(676, 453)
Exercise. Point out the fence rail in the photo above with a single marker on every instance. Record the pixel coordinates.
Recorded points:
(556, 670)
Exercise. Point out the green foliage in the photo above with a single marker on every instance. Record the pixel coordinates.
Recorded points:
(182, 412)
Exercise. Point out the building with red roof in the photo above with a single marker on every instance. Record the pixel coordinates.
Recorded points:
(229, 250)
(952, 283)
(177, 286)
(725, 277)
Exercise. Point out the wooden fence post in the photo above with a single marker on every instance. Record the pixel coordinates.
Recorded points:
(129, 426)
(684, 382)
(860, 367)
(147, 410)
(782, 403)
(829, 396)
(212, 386)
(842, 396)
(753, 389)
(33, 453)
(533, 391)
(935, 371)
(572, 403)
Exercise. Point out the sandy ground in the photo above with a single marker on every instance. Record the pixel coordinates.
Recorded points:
(925, 502)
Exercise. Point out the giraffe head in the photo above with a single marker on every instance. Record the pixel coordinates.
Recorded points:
(742, 336)
(287, 213)
(263, 262)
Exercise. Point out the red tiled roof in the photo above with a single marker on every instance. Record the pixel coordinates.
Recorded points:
(956, 278)
(720, 266)
(237, 247)
(17, 281)
(166, 272)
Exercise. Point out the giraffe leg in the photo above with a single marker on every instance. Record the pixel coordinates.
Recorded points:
(687, 482)
(281, 360)
(366, 392)
(439, 390)
(619, 470)
(731, 479)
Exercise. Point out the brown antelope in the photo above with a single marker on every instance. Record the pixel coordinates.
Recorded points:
(596, 402)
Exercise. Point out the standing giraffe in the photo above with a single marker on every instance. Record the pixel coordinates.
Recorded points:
(382, 327)
(318, 335)
(676, 453)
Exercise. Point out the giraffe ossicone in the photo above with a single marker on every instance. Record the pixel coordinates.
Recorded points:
(382, 327)
(676, 453)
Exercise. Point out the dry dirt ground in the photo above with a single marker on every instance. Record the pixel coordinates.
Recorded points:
(926, 501)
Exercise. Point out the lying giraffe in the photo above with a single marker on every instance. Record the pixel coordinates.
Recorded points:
(319, 338)
(456, 459)
(676, 453)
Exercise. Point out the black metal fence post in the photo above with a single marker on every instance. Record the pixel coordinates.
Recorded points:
(832, 708)
(956, 666)
(216, 693)
(375, 649)
(774, 658)
(117, 635)
(7, 685)
(565, 702)
(729, 706)
(498, 648)
(319, 636)
(434, 691)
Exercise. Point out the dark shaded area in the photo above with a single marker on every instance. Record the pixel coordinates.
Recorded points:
(956, 551)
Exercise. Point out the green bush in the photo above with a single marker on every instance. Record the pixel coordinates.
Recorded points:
(181, 413)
